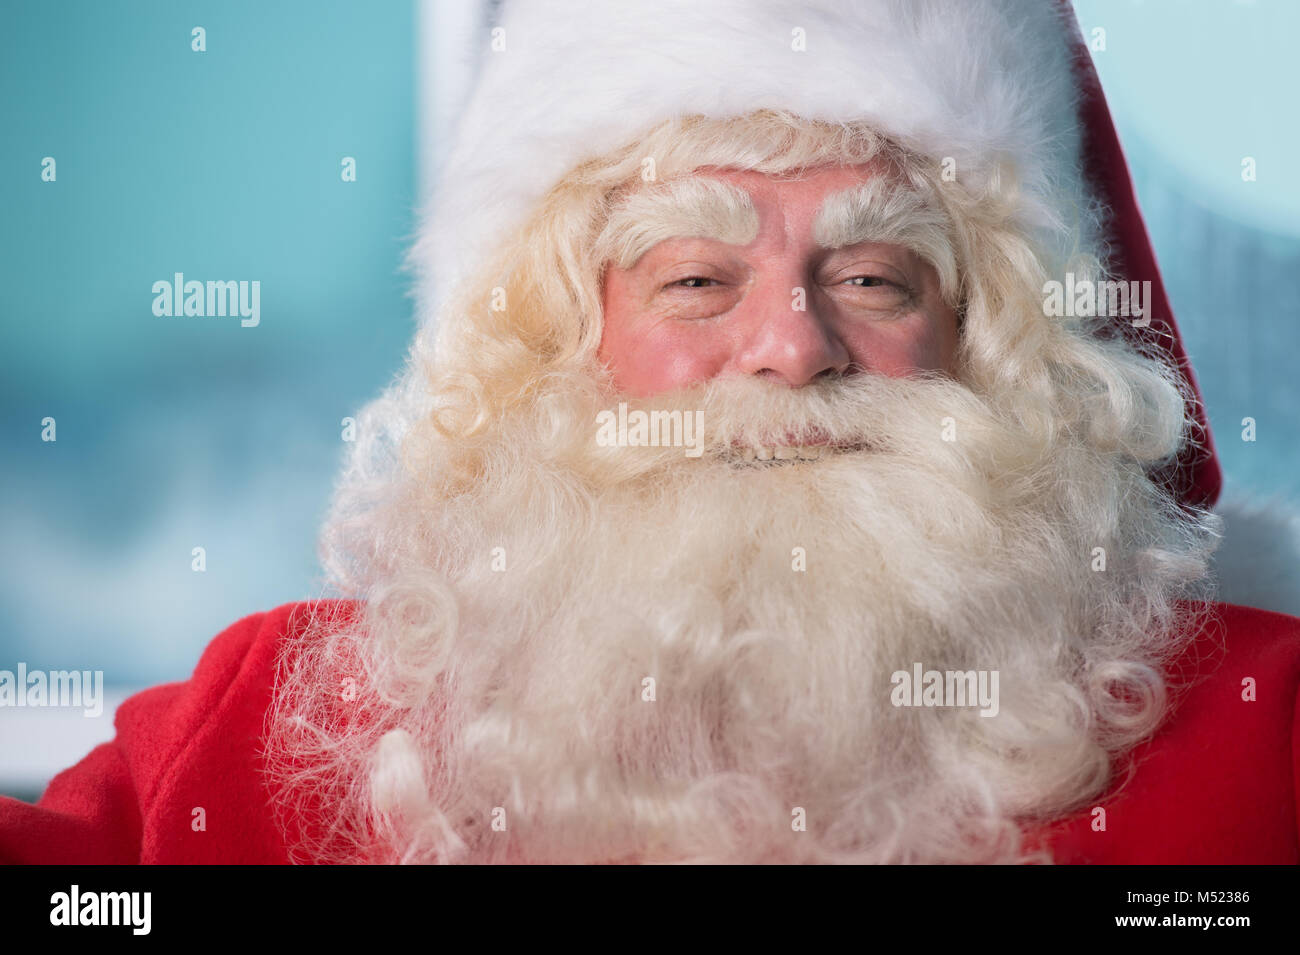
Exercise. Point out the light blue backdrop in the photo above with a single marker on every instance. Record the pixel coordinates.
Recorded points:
(1196, 87)
(176, 433)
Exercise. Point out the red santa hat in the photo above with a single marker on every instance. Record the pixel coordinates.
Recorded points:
(992, 84)
(1196, 477)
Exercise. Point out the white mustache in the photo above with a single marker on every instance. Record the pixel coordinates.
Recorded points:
(853, 410)
(752, 421)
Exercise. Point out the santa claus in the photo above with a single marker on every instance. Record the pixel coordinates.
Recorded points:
(746, 497)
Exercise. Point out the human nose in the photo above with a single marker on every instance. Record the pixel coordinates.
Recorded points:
(791, 340)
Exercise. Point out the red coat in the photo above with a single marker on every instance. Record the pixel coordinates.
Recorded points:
(1216, 785)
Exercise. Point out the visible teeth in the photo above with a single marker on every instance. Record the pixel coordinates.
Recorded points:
(783, 453)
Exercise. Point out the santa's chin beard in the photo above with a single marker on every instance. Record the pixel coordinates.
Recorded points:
(617, 651)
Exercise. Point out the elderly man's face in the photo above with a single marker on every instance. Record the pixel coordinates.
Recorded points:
(804, 298)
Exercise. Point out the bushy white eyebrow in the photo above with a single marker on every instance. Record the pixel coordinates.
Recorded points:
(878, 210)
(881, 210)
(690, 207)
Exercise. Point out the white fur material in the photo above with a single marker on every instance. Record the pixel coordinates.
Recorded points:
(985, 82)
(1258, 562)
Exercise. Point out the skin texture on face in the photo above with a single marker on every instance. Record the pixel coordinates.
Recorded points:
(687, 303)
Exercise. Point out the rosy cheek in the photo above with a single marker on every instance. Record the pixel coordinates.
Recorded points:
(664, 362)
(897, 350)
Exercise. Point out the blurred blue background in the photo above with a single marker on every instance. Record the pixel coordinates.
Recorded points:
(175, 433)
(182, 432)
(1195, 87)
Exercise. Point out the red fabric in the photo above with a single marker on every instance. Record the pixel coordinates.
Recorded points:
(1196, 477)
(179, 747)
(1216, 785)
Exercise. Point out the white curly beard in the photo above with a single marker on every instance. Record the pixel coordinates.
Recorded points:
(604, 654)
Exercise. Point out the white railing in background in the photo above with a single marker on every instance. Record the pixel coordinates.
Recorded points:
(37, 743)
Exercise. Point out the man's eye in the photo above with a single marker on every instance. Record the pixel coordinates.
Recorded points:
(866, 281)
(695, 281)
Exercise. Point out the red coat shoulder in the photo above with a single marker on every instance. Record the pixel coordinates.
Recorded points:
(1217, 783)
(183, 752)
